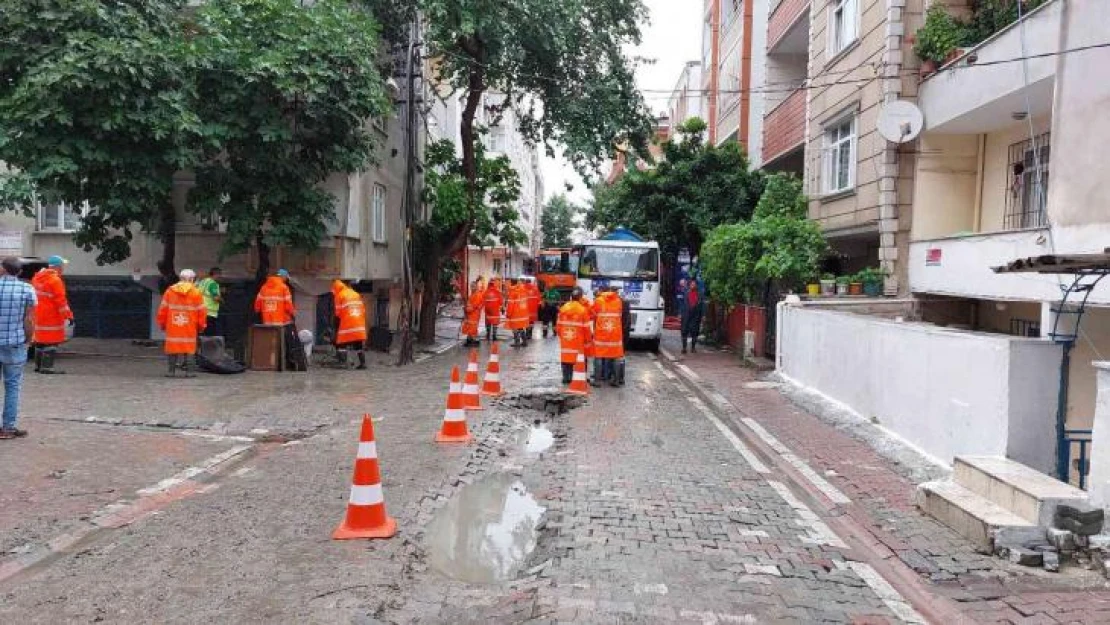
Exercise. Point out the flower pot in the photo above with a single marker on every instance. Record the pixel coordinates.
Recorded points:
(874, 289)
(841, 288)
(855, 288)
(928, 68)
(828, 287)
(813, 288)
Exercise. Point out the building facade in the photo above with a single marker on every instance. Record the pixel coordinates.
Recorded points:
(733, 72)
(687, 100)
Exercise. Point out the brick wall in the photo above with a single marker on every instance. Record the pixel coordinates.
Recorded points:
(784, 128)
(783, 18)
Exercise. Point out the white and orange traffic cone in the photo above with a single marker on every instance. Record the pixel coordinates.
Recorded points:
(578, 384)
(366, 516)
(471, 399)
(491, 385)
(454, 417)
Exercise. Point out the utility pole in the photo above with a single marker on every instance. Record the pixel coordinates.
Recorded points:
(411, 196)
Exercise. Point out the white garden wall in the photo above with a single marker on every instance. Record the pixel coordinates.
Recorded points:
(947, 392)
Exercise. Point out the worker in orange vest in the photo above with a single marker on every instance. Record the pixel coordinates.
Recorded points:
(532, 294)
(608, 336)
(573, 328)
(492, 302)
(473, 311)
(275, 300)
(350, 313)
(516, 312)
(182, 316)
(52, 313)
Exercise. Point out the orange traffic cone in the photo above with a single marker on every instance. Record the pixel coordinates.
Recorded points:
(366, 517)
(491, 385)
(578, 385)
(454, 418)
(471, 399)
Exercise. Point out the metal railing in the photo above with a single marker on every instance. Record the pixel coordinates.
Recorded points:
(1027, 183)
(1081, 465)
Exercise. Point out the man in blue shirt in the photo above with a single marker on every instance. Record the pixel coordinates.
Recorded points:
(17, 326)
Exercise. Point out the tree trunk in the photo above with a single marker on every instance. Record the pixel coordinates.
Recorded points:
(167, 233)
(263, 270)
(429, 300)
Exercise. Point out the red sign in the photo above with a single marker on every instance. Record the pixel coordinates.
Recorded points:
(933, 256)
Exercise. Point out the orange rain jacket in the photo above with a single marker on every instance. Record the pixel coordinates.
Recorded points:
(474, 307)
(275, 302)
(533, 295)
(608, 334)
(183, 316)
(573, 327)
(53, 308)
(351, 312)
(493, 302)
(517, 309)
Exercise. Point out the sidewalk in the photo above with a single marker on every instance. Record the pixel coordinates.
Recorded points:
(984, 588)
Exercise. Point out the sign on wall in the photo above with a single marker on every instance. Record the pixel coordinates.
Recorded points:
(933, 257)
(11, 243)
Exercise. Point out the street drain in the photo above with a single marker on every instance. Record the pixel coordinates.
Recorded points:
(485, 532)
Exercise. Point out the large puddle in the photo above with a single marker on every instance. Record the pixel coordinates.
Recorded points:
(485, 532)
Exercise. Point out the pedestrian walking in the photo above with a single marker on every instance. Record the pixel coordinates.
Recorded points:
(350, 314)
(17, 327)
(691, 318)
(473, 312)
(608, 336)
(493, 302)
(516, 312)
(573, 327)
(210, 290)
(52, 314)
(182, 316)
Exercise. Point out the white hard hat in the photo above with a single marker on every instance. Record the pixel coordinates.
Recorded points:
(188, 275)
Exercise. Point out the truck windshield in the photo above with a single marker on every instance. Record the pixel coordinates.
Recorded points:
(619, 262)
(553, 263)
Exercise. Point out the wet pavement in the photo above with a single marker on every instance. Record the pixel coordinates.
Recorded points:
(636, 505)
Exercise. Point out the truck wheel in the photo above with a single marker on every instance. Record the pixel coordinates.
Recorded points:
(653, 345)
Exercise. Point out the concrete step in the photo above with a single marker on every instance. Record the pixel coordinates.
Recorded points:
(1026, 492)
(973, 517)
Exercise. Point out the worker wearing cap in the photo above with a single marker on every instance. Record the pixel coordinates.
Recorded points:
(52, 314)
(182, 316)
(350, 315)
(275, 300)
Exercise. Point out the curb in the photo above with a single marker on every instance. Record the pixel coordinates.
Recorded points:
(933, 607)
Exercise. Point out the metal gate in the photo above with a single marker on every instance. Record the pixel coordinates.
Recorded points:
(109, 308)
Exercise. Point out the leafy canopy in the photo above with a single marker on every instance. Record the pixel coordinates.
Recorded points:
(694, 188)
(558, 221)
(97, 104)
(779, 245)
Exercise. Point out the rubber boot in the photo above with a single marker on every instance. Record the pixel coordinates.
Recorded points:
(38, 359)
(46, 361)
(684, 345)
(172, 371)
(187, 368)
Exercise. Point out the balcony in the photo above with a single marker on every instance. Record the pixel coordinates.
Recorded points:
(984, 88)
(784, 128)
(783, 31)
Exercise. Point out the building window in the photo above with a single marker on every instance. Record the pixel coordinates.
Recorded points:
(377, 214)
(1027, 187)
(843, 24)
(729, 10)
(61, 217)
(495, 140)
(840, 156)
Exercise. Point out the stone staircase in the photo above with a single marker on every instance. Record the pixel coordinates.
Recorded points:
(992, 500)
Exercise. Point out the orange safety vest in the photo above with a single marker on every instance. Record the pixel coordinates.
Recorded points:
(474, 307)
(53, 307)
(533, 302)
(517, 309)
(493, 303)
(275, 302)
(351, 312)
(608, 333)
(182, 315)
(573, 327)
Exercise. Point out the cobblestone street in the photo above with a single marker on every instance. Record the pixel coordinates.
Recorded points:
(703, 498)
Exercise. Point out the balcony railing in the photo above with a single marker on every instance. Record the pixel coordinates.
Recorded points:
(1027, 183)
(784, 127)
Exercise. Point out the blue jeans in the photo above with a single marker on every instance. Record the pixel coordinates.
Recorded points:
(12, 359)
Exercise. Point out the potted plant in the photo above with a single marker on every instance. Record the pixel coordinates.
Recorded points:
(842, 283)
(813, 287)
(855, 285)
(828, 284)
(941, 34)
(872, 279)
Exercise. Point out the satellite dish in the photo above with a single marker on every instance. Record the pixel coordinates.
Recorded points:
(900, 121)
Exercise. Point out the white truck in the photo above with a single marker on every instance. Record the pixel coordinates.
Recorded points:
(631, 264)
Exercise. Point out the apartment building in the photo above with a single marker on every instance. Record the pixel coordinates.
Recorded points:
(687, 99)
(733, 48)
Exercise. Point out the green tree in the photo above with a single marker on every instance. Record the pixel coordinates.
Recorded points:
(285, 93)
(557, 221)
(692, 189)
(97, 105)
(560, 64)
(779, 246)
